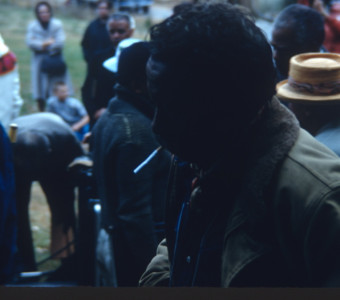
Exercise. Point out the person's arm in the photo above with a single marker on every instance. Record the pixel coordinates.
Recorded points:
(81, 123)
(34, 40)
(157, 272)
(88, 90)
(17, 100)
(57, 35)
(86, 44)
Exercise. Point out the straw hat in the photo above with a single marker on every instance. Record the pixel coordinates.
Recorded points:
(313, 77)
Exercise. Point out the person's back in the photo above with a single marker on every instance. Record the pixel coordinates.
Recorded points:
(44, 148)
(132, 204)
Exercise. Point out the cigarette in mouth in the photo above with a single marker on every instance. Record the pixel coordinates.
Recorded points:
(145, 162)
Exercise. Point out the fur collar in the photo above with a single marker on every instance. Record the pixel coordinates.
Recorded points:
(242, 182)
(276, 136)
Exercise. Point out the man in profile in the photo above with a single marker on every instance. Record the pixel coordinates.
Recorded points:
(98, 86)
(297, 29)
(253, 200)
(96, 37)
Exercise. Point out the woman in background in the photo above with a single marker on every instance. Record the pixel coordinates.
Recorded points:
(45, 37)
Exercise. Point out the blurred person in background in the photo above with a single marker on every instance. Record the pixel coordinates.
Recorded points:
(96, 36)
(45, 37)
(314, 97)
(44, 148)
(297, 29)
(10, 99)
(71, 110)
(330, 10)
(98, 89)
(132, 204)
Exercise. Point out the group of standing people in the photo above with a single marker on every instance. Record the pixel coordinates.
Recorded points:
(135, 214)
(249, 197)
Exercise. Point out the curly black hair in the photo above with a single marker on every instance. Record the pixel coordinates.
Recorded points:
(220, 49)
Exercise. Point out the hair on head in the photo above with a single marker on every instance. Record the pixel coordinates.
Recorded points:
(41, 3)
(219, 49)
(108, 3)
(123, 16)
(307, 24)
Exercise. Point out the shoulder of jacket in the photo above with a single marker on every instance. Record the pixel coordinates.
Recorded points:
(310, 160)
(56, 22)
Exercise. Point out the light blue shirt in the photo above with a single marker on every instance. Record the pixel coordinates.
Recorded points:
(71, 110)
(329, 135)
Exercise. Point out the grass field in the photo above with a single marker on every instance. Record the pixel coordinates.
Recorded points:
(14, 18)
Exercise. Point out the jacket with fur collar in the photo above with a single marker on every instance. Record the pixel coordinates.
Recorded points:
(277, 224)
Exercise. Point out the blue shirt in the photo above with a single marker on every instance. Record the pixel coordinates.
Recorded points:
(329, 135)
(71, 110)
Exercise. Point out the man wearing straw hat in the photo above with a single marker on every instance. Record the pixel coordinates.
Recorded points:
(253, 200)
(297, 29)
(313, 93)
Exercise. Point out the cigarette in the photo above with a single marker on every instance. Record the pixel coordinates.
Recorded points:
(145, 162)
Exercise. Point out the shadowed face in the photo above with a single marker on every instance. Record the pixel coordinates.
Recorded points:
(284, 47)
(119, 30)
(184, 122)
(44, 13)
(103, 11)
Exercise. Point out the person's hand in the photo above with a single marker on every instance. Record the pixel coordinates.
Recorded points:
(86, 138)
(99, 112)
(75, 127)
(47, 43)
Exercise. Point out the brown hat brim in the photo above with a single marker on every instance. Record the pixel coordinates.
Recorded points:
(286, 93)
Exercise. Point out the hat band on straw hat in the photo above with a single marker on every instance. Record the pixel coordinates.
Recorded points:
(322, 88)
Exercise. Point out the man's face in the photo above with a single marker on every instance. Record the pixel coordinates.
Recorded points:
(103, 11)
(119, 30)
(180, 123)
(284, 47)
(170, 117)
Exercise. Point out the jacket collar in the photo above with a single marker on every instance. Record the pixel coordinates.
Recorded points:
(276, 136)
(138, 102)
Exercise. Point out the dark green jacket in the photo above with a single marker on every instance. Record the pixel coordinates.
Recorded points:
(283, 225)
